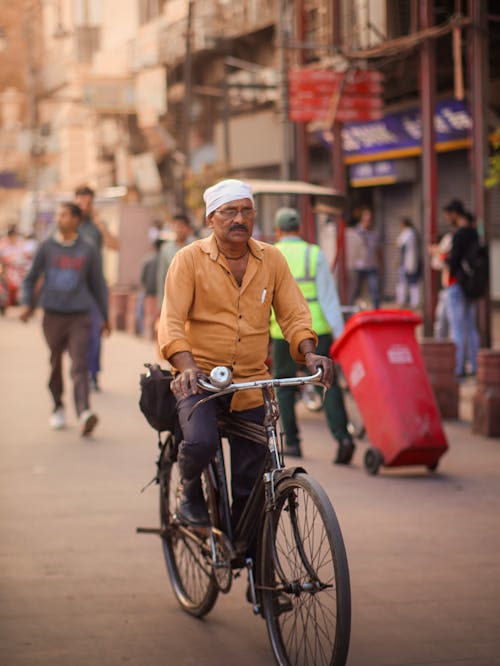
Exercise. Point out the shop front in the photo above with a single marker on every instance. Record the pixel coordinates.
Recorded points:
(383, 162)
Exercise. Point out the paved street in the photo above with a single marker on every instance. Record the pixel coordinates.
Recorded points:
(79, 587)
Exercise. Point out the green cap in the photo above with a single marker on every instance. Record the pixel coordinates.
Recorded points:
(287, 219)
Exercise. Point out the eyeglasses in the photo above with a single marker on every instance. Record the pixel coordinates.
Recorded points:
(231, 213)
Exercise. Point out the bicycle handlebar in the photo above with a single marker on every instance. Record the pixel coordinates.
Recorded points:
(261, 383)
(219, 391)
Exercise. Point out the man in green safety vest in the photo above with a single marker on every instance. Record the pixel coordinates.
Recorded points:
(311, 271)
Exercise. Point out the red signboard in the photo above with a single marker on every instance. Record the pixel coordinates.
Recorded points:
(298, 75)
(313, 95)
(308, 113)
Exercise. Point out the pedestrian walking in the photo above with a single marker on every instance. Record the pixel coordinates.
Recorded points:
(310, 269)
(183, 235)
(15, 259)
(462, 314)
(96, 231)
(354, 250)
(367, 260)
(72, 279)
(439, 253)
(147, 302)
(218, 296)
(410, 265)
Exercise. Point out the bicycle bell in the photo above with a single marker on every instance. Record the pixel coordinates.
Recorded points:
(220, 376)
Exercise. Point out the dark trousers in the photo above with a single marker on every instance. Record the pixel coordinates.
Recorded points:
(285, 366)
(68, 332)
(371, 277)
(199, 446)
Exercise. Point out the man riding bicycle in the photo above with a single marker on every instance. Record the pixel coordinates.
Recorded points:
(216, 309)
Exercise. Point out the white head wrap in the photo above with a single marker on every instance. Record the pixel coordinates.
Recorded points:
(224, 192)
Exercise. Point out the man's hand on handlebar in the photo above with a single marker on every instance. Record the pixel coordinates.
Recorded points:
(315, 361)
(185, 382)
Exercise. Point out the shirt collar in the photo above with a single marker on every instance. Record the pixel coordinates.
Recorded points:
(209, 246)
(59, 239)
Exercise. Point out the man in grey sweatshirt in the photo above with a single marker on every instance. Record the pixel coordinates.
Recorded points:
(72, 277)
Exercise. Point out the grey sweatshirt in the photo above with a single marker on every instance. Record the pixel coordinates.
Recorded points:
(72, 277)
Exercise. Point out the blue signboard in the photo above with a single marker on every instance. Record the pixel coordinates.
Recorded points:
(373, 173)
(400, 134)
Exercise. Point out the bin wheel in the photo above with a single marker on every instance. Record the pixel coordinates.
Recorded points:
(373, 460)
(433, 467)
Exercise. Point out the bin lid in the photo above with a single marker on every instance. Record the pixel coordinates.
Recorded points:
(370, 317)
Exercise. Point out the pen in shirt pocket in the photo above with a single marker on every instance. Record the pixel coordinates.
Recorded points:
(263, 297)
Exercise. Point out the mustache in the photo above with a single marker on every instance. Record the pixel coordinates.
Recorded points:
(238, 227)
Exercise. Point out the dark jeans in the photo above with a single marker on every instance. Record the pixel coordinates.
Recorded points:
(199, 446)
(285, 366)
(68, 332)
(371, 277)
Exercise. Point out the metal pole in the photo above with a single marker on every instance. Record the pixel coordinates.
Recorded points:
(29, 35)
(338, 167)
(187, 75)
(283, 37)
(429, 162)
(300, 132)
(226, 116)
(479, 151)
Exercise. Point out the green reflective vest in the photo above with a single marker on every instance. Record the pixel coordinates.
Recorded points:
(302, 259)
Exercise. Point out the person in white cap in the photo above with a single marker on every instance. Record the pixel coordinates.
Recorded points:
(218, 296)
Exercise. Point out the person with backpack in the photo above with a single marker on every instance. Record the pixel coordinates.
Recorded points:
(467, 282)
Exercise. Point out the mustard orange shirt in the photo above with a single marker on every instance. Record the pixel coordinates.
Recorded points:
(206, 313)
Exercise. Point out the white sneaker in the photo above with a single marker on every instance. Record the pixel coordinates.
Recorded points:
(88, 421)
(57, 419)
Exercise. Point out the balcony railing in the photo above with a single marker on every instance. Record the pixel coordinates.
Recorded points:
(214, 20)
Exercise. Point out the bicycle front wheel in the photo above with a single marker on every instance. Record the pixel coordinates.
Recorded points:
(187, 552)
(305, 589)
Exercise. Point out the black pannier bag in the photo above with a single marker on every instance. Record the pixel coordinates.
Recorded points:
(157, 402)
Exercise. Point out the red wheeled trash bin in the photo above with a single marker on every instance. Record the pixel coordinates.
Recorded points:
(381, 361)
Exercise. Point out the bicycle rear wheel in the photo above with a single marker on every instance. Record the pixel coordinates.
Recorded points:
(187, 553)
(305, 589)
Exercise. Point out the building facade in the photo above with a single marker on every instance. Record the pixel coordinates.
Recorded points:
(169, 95)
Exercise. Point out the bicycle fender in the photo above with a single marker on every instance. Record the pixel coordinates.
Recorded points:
(290, 472)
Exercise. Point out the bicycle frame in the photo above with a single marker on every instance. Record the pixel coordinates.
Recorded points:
(262, 496)
(248, 523)
(287, 517)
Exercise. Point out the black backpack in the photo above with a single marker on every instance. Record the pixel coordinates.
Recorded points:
(474, 272)
(157, 402)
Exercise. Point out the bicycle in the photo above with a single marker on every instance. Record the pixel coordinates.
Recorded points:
(299, 582)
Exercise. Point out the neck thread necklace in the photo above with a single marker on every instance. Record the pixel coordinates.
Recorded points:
(235, 258)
